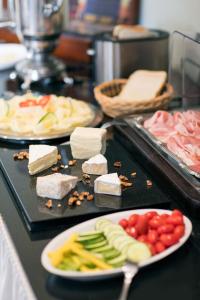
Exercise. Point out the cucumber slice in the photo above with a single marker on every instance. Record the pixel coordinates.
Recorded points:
(102, 249)
(91, 233)
(96, 245)
(114, 237)
(112, 228)
(100, 222)
(114, 232)
(111, 254)
(48, 117)
(91, 240)
(138, 252)
(120, 240)
(117, 260)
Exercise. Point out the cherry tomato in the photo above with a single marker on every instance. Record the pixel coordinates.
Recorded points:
(179, 231)
(164, 217)
(128, 230)
(168, 239)
(123, 223)
(142, 224)
(159, 247)
(151, 214)
(176, 212)
(142, 238)
(175, 220)
(151, 248)
(155, 222)
(133, 232)
(133, 219)
(152, 236)
(166, 228)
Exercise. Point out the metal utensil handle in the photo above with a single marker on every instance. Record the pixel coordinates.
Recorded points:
(128, 277)
(51, 8)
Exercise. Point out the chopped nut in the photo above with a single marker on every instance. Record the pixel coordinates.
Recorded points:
(81, 197)
(78, 202)
(133, 174)
(117, 164)
(126, 184)
(72, 200)
(75, 194)
(149, 183)
(49, 204)
(59, 157)
(21, 155)
(123, 178)
(86, 176)
(72, 162)
(59, 205)
(85, 194)
(55, 169)
(90, 197)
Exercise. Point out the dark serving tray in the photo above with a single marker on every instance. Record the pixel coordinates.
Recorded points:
(183, 186)
(38, 217)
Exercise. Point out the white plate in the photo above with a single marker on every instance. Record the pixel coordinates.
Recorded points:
(10, 54)
(89, 225)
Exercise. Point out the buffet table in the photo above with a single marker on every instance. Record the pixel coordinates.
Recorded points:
(177, 276)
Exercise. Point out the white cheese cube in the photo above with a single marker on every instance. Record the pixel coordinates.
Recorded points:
(108, 184)
(87, 142)
(55, 186)
(96, 165)
(41, 157)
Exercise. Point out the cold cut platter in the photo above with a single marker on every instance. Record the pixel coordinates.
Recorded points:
(176, 135)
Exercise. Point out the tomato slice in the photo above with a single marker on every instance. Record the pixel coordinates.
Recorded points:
(44, 100)
(28, 102)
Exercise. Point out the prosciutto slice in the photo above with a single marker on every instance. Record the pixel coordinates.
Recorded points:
(181, 134)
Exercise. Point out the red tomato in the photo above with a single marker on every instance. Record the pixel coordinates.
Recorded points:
(28, 102)
(133, 232)
(164, 216)
(155, 222)
(167, 228)
(176, 212)
(152, 236)
(151, 214)
(168, 239)
(151, 248)
(179, 231)
(142, 224)
(44, 100)
(128, 230)
(142, 238)
(123, 223)
(159, 247)
(175, 220)
(133, 219)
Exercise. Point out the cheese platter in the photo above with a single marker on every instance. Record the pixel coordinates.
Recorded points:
(126, 185)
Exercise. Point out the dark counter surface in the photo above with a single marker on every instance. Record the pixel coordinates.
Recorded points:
(175, 277)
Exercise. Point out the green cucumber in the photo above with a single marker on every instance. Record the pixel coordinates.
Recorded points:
(103, 249)
(96, 245)
(91, 233)
(117, 261)
(47, 116)
(138, 252)
(90, 240)
(107, 255)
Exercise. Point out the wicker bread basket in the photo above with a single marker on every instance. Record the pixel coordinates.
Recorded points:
(114, 106)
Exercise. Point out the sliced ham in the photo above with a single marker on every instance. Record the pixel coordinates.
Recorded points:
(181, 134)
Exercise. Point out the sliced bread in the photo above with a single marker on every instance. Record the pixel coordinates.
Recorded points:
(143, 85)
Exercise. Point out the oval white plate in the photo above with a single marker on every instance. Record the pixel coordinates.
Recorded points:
(10, 54)
(89, 225)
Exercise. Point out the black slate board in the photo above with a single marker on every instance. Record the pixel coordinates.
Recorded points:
(38, 217)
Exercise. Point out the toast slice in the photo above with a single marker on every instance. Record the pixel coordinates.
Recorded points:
(143, 85)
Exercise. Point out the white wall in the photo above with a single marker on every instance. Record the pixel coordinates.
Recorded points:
(171, 15)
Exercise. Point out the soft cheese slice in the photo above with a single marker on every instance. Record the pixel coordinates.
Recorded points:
(55, 186)
(86, 142)
(41, 157)
(96, 165)
(108, 184)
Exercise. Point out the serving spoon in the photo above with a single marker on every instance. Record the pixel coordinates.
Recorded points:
(130, 269)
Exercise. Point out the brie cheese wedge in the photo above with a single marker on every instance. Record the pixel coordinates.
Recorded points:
(55, 186)
(108, 184)
(86, 142)
(96, 165)
(41, 157)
